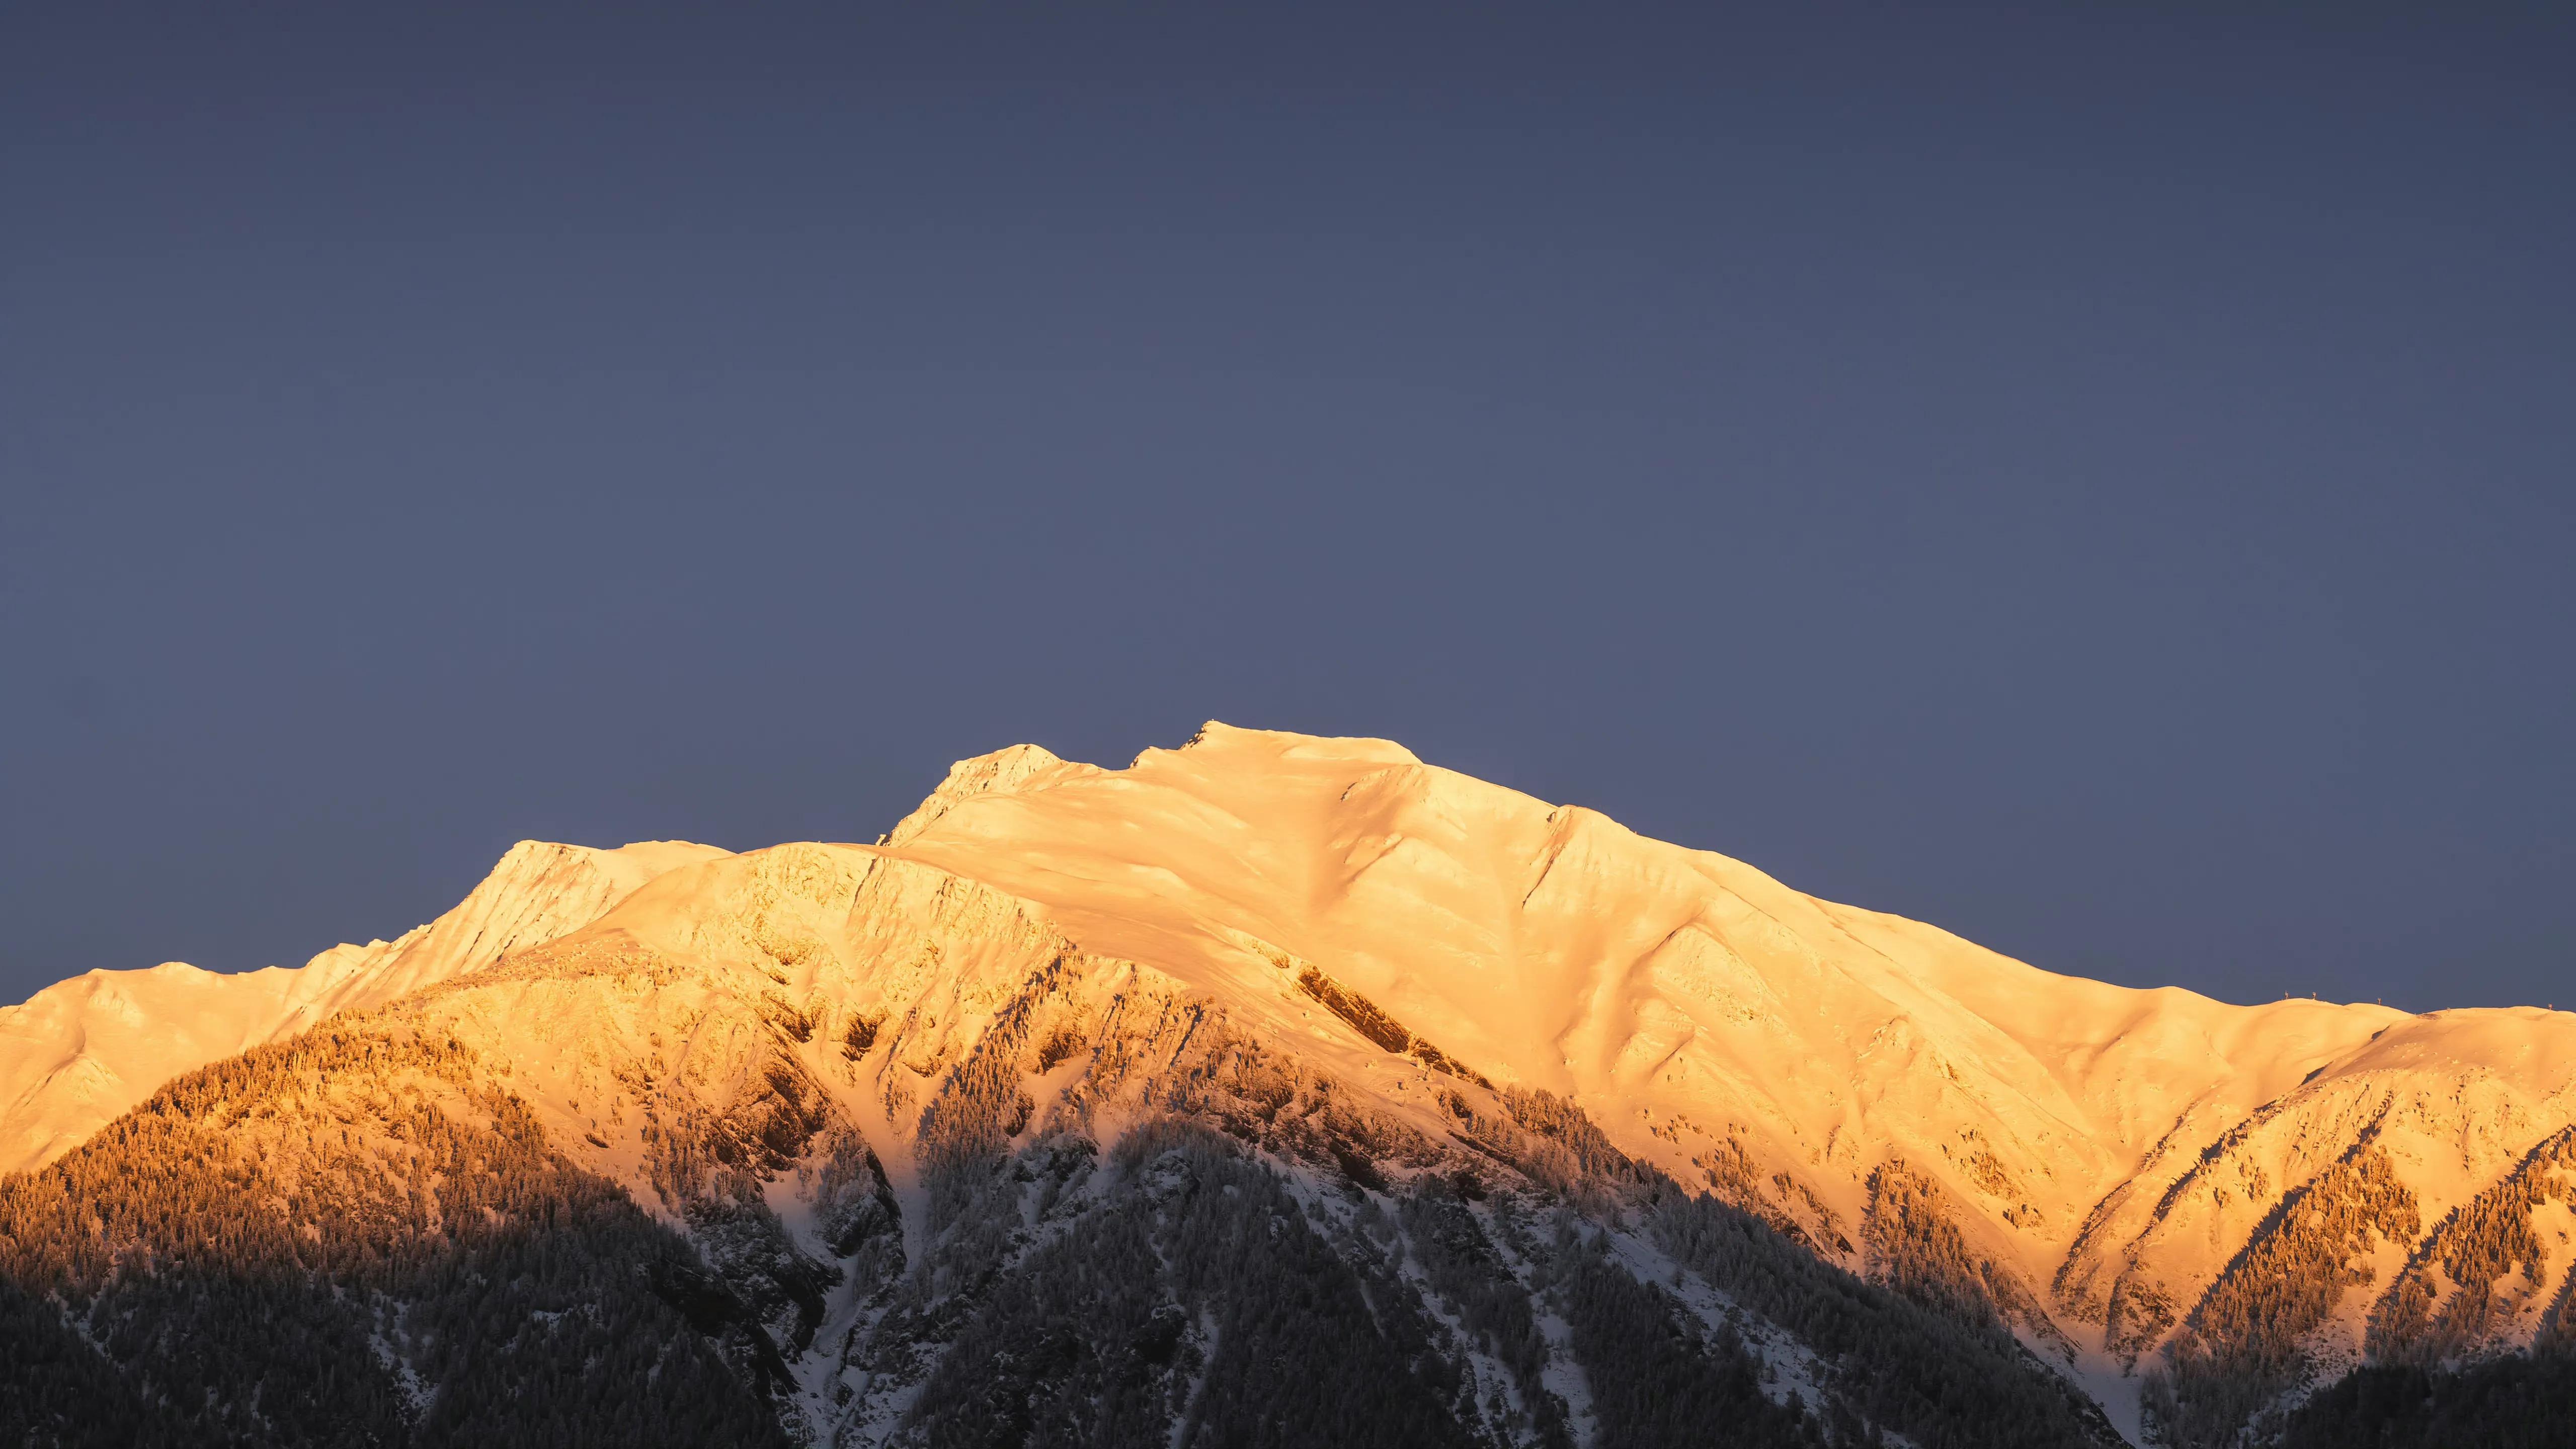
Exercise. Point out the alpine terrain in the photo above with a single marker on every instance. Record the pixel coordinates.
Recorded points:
(1270, 1091)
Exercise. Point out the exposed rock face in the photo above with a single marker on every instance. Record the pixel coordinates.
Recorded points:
(1509, 1099)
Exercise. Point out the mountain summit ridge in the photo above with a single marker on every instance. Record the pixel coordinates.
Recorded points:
(1048, 954)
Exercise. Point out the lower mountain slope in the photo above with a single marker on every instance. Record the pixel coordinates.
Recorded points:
(352, 1238)
(2513, 1402)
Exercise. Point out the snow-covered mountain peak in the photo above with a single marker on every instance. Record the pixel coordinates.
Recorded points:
(1217, 738)
(80, 1052)
(1003, 771)
(1368, 967)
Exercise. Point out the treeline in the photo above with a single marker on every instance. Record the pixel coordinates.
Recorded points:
(1916, 1246)
(343, 1240)
(2244, 1345)
(2477, 1244)
(1658, 1385)
(57, 1392)
(352, 1238)
(1199, 1298)
(2520, 1402)
(1198, 1306)
(1941, 1381)
(1082, 1344)
(1465, 1268)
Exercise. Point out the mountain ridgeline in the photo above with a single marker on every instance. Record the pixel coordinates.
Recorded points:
(1273, 1091)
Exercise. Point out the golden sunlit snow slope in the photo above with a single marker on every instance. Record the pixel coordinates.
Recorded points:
(81, 1052)
(1551, 946)
(1687, 999)
(1045, 942)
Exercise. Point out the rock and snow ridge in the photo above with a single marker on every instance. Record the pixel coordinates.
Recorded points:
(1045, 943)
(81, 1052)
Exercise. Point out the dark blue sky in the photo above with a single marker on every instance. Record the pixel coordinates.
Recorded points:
(2096, 481)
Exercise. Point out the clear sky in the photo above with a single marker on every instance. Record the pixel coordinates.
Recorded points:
(2097, 478)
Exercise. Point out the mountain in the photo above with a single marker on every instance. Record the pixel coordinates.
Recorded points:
(82, 1052)
(1273, 1089)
